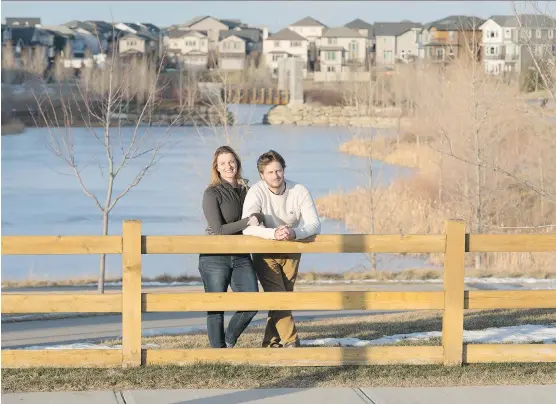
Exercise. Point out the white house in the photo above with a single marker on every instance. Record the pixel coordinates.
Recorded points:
(503, 41)
(396, 41)
(131, 43)
(285, 43)
(189, 47)
(210, 26)
(232, 52)
(308, 28)
(342, 48)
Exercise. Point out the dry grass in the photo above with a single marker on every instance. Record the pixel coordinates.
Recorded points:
(204, 375)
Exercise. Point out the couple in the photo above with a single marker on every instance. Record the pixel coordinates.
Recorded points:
(275, 209)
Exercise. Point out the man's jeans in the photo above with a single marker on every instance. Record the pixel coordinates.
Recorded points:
(218, 272)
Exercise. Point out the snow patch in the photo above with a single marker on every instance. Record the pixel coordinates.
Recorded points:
(515, 334)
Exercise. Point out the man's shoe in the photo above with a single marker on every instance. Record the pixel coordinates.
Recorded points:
(275, 345)
(294, 344)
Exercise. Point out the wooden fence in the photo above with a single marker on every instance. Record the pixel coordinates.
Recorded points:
(453, 300)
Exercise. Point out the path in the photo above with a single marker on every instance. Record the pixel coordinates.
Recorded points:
(394, 395)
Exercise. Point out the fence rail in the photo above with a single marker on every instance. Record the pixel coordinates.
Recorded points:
(132, 302)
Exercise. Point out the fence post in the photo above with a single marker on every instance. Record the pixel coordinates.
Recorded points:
(131, 294)
(454, 267)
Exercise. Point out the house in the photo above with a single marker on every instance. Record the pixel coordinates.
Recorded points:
(98, 38)
(70, 45)
(365, 29)
(23, 22)
(132, 44)
(29, 43)
(244, 41)
(188, 48)
(209, 25)
(453, 37)
(312, 30)
(151, 41)
(284, 44)
(232, 52)
(342, 49)
(396, 41)
(504, 47)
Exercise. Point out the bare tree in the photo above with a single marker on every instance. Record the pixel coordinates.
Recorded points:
(98, 101)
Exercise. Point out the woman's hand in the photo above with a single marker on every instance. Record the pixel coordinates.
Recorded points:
(253, 221)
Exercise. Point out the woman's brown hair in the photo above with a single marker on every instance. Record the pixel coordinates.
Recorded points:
(215, 178)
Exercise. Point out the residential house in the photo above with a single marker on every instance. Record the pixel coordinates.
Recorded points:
(132, 44)
(284, 44)
(368, 31)
(232, 52)
(23, 22)
(98, 39)
(453, 37)
(188, 48)
(396, 42)
(237, 46)
(504, 47)
(210, 26)
(70, 45)
(151, 41)
(29, 43)
(312, 30)
(342, 49)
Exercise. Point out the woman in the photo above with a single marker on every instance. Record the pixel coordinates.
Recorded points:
(222, 205)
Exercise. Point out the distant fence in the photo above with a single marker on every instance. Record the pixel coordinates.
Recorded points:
(453, 300)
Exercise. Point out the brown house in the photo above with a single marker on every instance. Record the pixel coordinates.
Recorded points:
(457, 37)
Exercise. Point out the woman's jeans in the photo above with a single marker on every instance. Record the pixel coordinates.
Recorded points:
(218, 272)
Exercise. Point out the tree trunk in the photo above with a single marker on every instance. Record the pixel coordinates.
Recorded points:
(102, 269)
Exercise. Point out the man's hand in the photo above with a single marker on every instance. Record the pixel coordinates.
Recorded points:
(284, 233)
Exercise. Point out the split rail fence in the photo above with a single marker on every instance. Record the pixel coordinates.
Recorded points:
(132, 302)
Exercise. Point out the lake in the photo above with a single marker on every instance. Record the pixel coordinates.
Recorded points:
(40, 195)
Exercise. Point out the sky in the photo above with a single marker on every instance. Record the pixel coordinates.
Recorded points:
(274, 14)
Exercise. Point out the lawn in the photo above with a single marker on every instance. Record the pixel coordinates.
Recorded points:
(367, 327)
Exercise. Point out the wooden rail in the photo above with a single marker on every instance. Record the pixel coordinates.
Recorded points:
(453, 300)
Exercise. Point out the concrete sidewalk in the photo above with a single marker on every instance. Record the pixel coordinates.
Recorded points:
(389, 395)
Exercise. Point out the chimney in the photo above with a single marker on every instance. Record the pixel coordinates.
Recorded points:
(265, 33)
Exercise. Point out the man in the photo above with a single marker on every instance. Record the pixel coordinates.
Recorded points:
(289, 214)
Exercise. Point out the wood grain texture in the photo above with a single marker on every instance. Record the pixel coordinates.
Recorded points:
(61, 245)
(61, 303)
(71, 358)
(349, 243)
(199, 301)
(314, 356)
(515, 299)
(507, 353)
(512, 243)
(131, 294)
(454, 269)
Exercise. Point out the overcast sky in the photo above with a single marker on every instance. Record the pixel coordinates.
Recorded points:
(274, 14)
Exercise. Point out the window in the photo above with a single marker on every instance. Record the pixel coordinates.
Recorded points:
(452, 35)
(276, 58)
(330, 55)
(491, 50)
(332, 41)
(508, 33)
(191, 43)
(440, 53)
(330, 68)
(388, 56)
(276, 44)
(353, 50)
(295, 44)
(538, 32)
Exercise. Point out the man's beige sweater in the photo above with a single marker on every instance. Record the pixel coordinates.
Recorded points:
(295, 208)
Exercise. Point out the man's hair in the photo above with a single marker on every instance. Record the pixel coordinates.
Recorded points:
(267, 158)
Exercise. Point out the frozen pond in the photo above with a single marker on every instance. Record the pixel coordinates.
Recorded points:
(41, 197)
